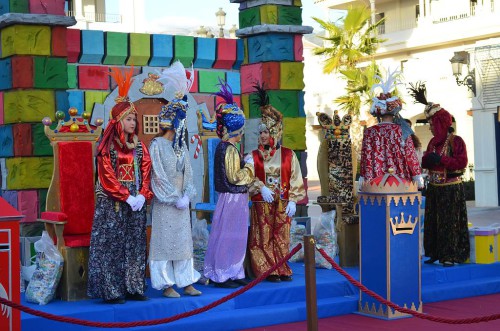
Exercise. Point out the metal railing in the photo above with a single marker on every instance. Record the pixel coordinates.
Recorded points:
(98, 17)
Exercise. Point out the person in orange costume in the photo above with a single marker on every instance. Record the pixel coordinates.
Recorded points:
(117, 261)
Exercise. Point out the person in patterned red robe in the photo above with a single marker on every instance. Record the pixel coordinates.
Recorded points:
(388, 144)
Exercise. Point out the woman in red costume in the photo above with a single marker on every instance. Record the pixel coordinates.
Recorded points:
(277, 187)
(446, 237)
(117, 262)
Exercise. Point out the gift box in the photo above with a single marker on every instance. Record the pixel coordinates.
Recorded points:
(483, 244)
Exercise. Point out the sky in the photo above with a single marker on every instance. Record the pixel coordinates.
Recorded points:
(194, 13)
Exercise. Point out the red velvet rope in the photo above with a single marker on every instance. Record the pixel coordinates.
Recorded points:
(377, 297)
(154, 321)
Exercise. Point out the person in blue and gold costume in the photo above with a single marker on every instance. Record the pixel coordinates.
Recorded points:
(277, 187)
(446, 236)
(228, 238)
(117, 261)
(171, 246)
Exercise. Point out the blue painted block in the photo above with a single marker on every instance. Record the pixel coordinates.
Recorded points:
(75, 99)
(11, 197)
(6, 141)
(5, 74)
(233, 79)
(240, 53)
(205, 52)
(270, 47)
(302, 112)
(62, 102)
(389, 248)
(92, 46)
(162, 50)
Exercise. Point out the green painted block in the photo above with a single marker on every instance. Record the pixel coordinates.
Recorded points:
(93, 97)
(184, 49)
(140, 49)
(26, 40)
(28, 106)
(72, 76)
(28, 172)
(116, 50)
(245, 51)
(42, 199)
(268, 14)
(294, 133)
(19, 6)
(41, 144)
(292, 76)
(249, 17)
(254, 109)
(208, 80)
(50, 72)
(287, 102)
(289, 15)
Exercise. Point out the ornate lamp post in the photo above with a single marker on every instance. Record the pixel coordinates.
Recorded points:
(221, 21)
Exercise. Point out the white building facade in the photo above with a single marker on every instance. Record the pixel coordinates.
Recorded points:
(421, 38)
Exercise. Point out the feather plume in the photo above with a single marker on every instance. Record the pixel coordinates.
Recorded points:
(225, 92)
(176, 78)
(262, 96)
(124, 81)
(418, 92)
(390, 83)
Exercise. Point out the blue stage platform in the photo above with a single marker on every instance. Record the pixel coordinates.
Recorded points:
(265, 304)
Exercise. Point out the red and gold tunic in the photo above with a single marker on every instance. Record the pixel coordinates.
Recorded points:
(453, 154)
(383, 148)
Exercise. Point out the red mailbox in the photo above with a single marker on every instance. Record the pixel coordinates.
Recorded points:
(10, 319)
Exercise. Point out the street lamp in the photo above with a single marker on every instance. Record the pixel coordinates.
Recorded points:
(202, 32)
(457, 61)
(232, 31)
(221, 21)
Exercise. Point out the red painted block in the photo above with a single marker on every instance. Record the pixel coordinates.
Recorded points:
(59, 47)
(22, 72)
(264, 72)
(226, 53)
(23, 145)
(73, 44)
(237, 100)
(52, 7)
(93, 77)
(194, 87)
(206, 98)
(298, 48)
(27, 204)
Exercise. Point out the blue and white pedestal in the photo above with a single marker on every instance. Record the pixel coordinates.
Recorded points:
(389, 246)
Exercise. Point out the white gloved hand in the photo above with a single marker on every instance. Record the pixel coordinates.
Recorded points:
(267, 194)
(140, 200)
(419, 180)
(248, 159)
(183, 202)
(131, 200)
(361, 180)
(291, 208)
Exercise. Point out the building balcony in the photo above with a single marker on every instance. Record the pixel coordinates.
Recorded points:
(97, 17)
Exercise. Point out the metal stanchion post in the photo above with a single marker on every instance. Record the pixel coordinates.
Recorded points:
(310, 268)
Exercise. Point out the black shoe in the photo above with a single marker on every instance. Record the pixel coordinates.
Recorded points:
(242, 281)
(136, 297)
(430, 261)
(115, 301)
(286, 278)
(273, 279)
(227, 284)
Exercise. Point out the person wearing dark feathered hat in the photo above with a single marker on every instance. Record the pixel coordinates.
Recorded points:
(117, 258)
(277, 188)
(446, 236)
(227, 242)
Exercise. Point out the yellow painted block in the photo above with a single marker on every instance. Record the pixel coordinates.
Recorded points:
(294, 133)
(297, 3)
(93, 97)
(245, 103)
(29, 172)
(292, 76)
(28, 106)
(269, 14)
(26, 40)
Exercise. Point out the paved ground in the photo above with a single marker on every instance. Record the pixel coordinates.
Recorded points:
(478, 216)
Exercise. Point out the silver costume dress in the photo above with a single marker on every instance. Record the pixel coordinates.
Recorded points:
(171, 246)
